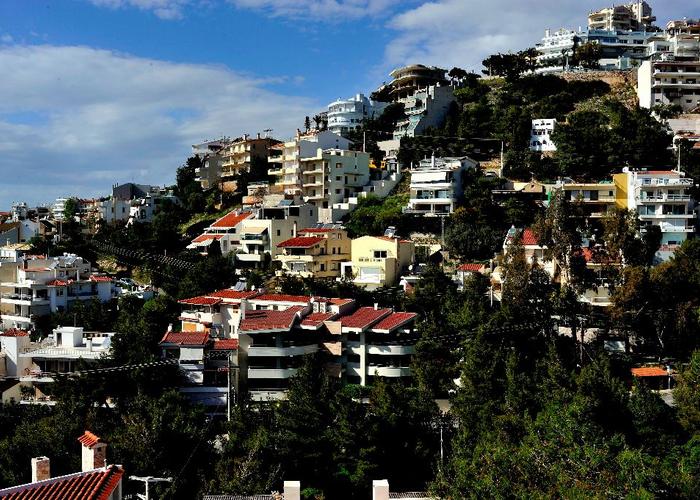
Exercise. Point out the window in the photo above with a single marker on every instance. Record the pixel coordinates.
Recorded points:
(380, 254)
(338, 177)
(323, 267)
(279, 233)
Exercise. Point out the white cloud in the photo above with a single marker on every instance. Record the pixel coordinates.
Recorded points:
(6, 38)
(327, 10)
(463, 32)
(73, 120)
(165, 9)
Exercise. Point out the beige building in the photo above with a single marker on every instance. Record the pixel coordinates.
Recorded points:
(238, 156)
(316, 253)
(635, 16)
(378, 260)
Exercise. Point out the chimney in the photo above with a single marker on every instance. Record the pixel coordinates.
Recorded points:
(292, 490)
(294, 230)
(94, 452)
(41, 469)
(376, 306)
(380, 489)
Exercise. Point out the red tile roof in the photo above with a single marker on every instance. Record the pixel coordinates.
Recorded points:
(529, 238)
(14, 332)
(59, 282)
(317, 230)
(98, 484)
(364, 317)
(232, 219)
(300, 242)
(649, 371)
(225, 344)
(201, 301)
(315, 320)
(341, 302)
(100, 279)
(280, 297)
(185, 338)
(264, 320)
(394, 321)
(206, 237)
(89, 439)
(470, 267)
(229, 293)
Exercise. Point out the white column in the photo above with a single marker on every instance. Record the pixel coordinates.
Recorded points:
(292, 490)
(380, 489)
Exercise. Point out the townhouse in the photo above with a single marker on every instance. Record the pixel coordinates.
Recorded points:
(250, 343)
(315, 252)
(541, 135)
(378, 261)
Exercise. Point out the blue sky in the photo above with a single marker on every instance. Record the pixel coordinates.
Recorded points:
(95, 92)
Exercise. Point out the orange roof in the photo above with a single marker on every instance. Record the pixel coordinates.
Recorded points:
(59, 282)
(649, 371)
(529, 238)
(206, 237)
(229, 293)
(100, 279)
(394, 321)
(89, 439)
(14, 332)
(232, 219)
(185, 338)
(225, 344)
(267, 319)
(340, 302)
(98, 484)
(300, 242)
(318, 230)
(279, 297)
(471, 267)
(364, 317)
(315, 320)
(201, 301)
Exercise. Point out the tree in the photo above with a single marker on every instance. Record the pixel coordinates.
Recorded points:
(70, 209)
(307, 123)
(588, 55)
(687, 395)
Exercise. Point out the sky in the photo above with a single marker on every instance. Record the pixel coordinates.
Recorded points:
(99, 92)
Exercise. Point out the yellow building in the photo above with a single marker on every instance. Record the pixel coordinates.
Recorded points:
(316, 253)
(378, 260)
(596, 198)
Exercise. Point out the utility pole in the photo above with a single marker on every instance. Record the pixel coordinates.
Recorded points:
(148, 480)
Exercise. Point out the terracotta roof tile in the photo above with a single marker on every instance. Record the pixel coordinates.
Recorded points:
(318, 230)
(232, 219)
(279, 297)
(229, 293)
(315, 320)
(649, 371)
(529, 238)
(89, 439)
(201, 301)
(394, 320)
(100, 279)
(225, 344)
(300, 242)
(206, 237)
(341, 302)
(267, 320)
(98, 484)
(59, 282)
(185, 338)
(471, 267)
(14, 332)
(364, 317)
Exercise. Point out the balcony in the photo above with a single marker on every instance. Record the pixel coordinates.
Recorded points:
(397, 350)
(275, 171)
(201, 317)
(674, 228)
(16, 319)
(24, 300)
(271, 373)
(354, 369)
(250, 257)
(274, 352)
(61, 353)
(262, 395)
(389, 371)
(663, 197)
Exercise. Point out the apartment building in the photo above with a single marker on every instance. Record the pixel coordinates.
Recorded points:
(332, 176)
(378, 261)
(209, 174)
(595, 198)
(265, 338)
(316, 253)
(661, 198)
(345, 115)
(285, 166)
(42, 285)
(669, 81)
(239, 154)
(436, 185)
(253, 235)
(635, 16)
(541, 135)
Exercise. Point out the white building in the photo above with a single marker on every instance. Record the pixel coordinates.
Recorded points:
(669, 81)
(436, 185)
(345, 115)
(661, 198)
(635, 16)
(540, 135)
(40, 286)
